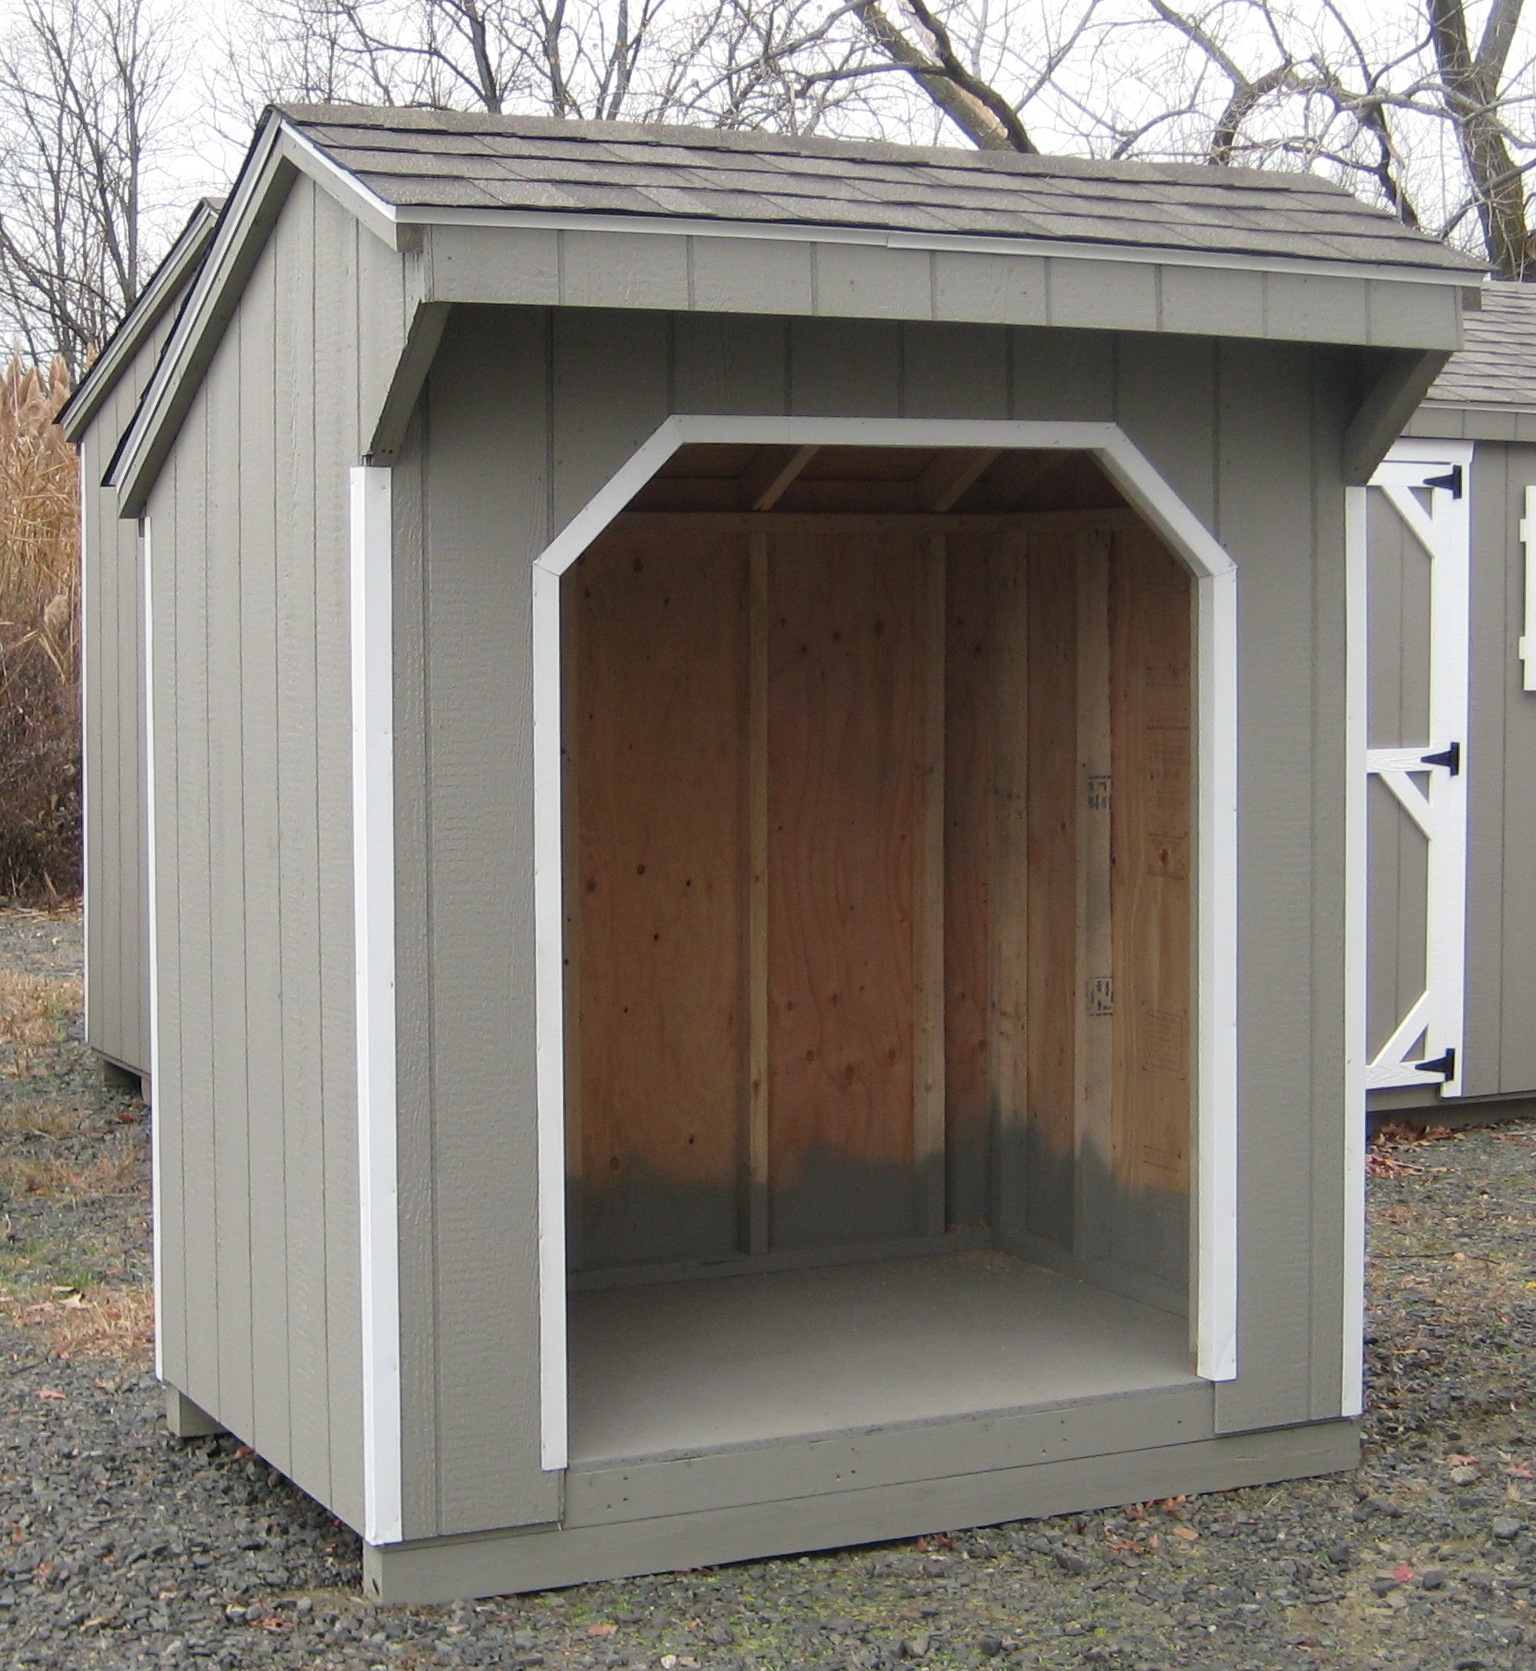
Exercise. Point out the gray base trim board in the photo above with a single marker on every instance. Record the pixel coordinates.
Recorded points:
(1384, 1109)
(548, 1557)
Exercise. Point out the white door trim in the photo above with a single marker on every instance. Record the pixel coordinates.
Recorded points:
(1215, 1301)
(1440, 809)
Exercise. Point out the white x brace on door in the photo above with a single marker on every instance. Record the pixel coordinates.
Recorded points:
(1416, 751)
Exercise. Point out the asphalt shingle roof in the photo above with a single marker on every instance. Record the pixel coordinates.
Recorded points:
(416, 159)
(1498, 365)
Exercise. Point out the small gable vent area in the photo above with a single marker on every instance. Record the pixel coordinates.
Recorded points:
(878, 817)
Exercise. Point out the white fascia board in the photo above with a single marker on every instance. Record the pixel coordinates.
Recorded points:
(126, 340)
(373, 869)
(963, 243)
(381, 218)
(255, 179)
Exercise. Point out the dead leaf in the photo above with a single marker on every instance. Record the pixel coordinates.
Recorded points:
(1188, 1533)
(1402, 1572)
(48, 1392)
(601, 1630)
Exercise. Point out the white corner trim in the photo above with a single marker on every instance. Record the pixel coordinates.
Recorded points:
(1216, 965)
(1352, 1170)
(373, 869)
(1526, 649)
(87, 755)
(1216, 930)
(156, 1185)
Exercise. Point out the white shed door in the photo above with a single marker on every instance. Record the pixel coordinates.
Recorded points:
(1419, 623)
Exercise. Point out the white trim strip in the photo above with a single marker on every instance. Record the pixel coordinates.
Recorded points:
(1216, 968)
(157, 1186)
(1356, 694)
(87, 754)
(373, 865)
(1216, 931)
(1526, 648)
(549, 961)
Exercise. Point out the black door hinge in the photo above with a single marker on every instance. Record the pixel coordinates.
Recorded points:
(1451, 480)
(1450, 758)
(1444, 1065)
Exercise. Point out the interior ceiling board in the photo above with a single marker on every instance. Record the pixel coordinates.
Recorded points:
(878, 480)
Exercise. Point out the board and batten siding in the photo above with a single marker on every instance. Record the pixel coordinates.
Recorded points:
(112, 736)
(527, 413)
(256, 1102)
(1499, 1043)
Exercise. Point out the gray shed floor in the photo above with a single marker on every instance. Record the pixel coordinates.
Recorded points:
(684, 1367)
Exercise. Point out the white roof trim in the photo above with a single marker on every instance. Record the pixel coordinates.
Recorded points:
(255, 177)
(128, 338)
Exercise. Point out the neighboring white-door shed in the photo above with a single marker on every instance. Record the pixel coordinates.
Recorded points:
(754, 756)
(1452, 748)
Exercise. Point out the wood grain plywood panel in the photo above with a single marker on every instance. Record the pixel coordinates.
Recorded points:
(844, 700)
(660, 750)
(1150, 900)
(967, 822)
(1052, 870)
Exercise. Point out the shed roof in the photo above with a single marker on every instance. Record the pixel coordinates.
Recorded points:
(165, 286)
(425, 163)
(1497, 367)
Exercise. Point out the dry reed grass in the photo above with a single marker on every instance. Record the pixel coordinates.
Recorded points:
(40, 853)
(115, 1325)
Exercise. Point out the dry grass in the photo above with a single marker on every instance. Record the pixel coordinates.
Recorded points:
(39, 638)
(114, 1325)
(37, 1009)
(120, 1173)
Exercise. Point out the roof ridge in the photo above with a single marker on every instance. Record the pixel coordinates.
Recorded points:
(420, 119)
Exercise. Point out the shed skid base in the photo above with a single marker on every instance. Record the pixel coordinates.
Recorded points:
(187, 1420)
(539, 1558)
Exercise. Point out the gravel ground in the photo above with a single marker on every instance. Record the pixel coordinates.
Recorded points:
(121, 1547)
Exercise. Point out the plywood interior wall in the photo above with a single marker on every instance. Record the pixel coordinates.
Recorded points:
(878, 886)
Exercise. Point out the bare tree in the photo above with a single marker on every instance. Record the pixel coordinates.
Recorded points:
(83, 86)
(732, 63)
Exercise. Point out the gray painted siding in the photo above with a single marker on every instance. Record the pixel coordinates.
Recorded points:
(527, 413)
(671, 273)
(257, 1101)
(117, 903)
(1501, 786)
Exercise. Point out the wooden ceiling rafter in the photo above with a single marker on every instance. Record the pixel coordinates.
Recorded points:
(764, 482)
(945, 482)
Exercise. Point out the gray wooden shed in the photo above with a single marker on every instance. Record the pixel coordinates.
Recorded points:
(1452, 1028)
(752, 751)
(112, 671)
